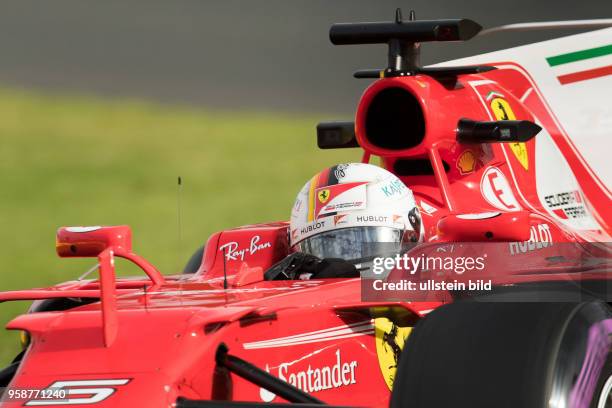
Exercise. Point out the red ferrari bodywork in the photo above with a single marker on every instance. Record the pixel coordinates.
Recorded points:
(149, 342)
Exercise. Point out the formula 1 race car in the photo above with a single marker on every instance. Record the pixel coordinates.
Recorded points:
(505, 148)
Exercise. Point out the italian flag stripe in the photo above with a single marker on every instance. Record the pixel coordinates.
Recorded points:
(584, 75)
(582, 65)
(579, 55)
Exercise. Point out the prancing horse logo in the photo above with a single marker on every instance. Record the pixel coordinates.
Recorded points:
(323, 195)
(390, 339)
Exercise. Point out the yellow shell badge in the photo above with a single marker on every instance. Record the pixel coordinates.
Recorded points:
(466, 163)
(323, 195)
(502, 111)
(390, 340)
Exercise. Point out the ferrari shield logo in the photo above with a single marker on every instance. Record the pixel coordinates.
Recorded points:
(323, 195)
(390, 340)
(520, 152)
(502, 111)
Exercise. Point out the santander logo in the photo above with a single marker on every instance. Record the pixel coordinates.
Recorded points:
(337, 374)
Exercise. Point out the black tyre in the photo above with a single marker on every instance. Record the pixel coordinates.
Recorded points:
(476, 354)
(603, 392)
(195, 261)
(7, 374)
(58, 304)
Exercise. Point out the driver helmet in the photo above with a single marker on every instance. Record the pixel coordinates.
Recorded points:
(355, 212)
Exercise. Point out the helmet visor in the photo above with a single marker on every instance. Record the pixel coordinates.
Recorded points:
(353, 244)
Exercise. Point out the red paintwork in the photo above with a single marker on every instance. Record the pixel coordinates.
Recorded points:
(88, 242)
(162, 338)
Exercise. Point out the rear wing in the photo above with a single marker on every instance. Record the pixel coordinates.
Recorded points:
(105, 243)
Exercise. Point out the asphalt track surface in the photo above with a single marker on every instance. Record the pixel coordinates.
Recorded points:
(254, 54)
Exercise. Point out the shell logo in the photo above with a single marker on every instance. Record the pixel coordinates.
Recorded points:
(466, 163)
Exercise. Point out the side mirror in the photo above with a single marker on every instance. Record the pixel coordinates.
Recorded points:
(89, 242)
(501, 131)
(336, 135)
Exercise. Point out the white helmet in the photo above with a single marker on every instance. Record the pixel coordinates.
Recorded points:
(352, 211)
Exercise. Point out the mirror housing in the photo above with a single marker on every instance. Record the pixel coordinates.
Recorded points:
(501, 131)
(89, 242)
(336, 135)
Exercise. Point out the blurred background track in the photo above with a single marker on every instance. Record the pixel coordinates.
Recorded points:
(256, 54)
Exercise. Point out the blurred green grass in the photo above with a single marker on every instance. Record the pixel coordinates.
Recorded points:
(74, 160)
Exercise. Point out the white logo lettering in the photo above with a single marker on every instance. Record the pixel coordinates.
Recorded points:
(496, 190)
(265, 395)
(233, 252)
(339, 374)
(540, 237)
(89, 391)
